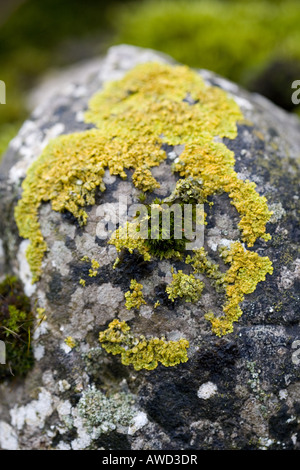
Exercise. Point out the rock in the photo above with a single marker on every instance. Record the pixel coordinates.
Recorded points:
(228, 385)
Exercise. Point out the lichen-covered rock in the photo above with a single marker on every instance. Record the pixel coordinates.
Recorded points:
(140, 344)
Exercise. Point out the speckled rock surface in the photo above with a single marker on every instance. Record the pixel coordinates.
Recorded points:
(241, 391)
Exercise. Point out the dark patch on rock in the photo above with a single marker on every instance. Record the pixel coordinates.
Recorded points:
(112, 441)
(55, 287)
(283, 426)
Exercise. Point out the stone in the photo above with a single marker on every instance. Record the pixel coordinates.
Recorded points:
(239, 390)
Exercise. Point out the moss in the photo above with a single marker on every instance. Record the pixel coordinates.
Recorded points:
(160, 239)
(234, 39)
(142, 353)
(135, 298)
(40, 314)
(185, 286)
(127, 237)
(16, 323)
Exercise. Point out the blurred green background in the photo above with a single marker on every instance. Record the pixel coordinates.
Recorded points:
(254, 43)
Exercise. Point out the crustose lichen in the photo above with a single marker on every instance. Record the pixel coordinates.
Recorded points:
(142, 353)
(135, 117)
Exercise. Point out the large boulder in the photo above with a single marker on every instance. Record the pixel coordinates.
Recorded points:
(197, 351)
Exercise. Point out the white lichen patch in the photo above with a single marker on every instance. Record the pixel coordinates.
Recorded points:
(288, 276)
(109, 300)
(283, 394)
(35, 413)
(8, 437)
(39, 352)
(30, 143)
(278, 212)
(65, 348)
(63, 385)
(24, 272)
(146, 311)
(207, 390)
(60, 257)
(138, 422)
(243, 103)
(41, 330)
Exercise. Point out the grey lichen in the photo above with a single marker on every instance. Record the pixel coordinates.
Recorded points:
(102, 414)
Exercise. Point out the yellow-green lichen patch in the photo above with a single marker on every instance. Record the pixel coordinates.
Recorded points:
(134, 117)
(185, 286)
(128, 238)
(134, 297)
(142, 353)
(93, 271)
(246, 271)
(70, 342)
(213, 163)
(203, 265)
(154, 104)
(142, 178)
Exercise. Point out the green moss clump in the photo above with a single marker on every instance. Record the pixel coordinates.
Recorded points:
(165, 232)
(232, 38)
(7, 132)
(16, 322)
(142, 353)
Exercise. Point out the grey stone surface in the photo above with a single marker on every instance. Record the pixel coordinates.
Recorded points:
(241, 391)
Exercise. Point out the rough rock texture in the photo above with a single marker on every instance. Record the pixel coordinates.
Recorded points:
(241, 391)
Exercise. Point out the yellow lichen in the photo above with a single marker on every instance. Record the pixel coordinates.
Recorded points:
(154, 104)
(134, 117)
(94, 268)
(142, 353)
(185, 286)
(142, 178)
(93, 271)
(70, 342)
(128, 237)
(203, 265)
(135, 298)
(246, 271)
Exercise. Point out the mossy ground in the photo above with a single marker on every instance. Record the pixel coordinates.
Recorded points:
(16, 323)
